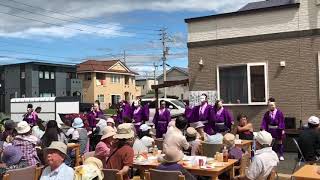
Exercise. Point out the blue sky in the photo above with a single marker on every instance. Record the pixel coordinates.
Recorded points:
(72, 31)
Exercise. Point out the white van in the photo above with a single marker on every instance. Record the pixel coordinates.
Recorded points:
(175, 106)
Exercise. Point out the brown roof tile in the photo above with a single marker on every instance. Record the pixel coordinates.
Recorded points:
(94, 65)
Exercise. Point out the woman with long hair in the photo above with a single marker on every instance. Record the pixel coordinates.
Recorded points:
(53, 133)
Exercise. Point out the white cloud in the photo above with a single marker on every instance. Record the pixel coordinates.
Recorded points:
(94, 9)
(110, 30)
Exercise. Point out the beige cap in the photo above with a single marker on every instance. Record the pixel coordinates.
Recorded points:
(108, 131)
(263, 137)
(191, 132)
(57, 145)
(124, 131)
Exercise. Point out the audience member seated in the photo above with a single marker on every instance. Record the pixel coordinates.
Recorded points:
(309, 140)
(78, 134)
(103, 148)
(169, 162)
(144, 142)
(234, 151)
(39, 129)
(57, 169)
(244, 128)
(174, 138)
(52, 133)
(110, 122)
(195, 143)
(9, 131)
(26, 143)
(265, 159)
(199, 126)
(90, 170)
(121, 157)
(215, 139)
(12, 158)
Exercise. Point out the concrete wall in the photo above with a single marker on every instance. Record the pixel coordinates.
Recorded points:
(32, 80)
(12, 84)
(295, 87)
(61, 85)
(271, 21)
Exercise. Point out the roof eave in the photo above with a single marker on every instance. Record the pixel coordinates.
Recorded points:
(236, 13)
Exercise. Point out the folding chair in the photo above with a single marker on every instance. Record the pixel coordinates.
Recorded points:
(299, 160)
(112, 174)
(154, 174)
(210, 150)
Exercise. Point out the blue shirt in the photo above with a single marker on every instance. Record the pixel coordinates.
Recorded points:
(63, 172)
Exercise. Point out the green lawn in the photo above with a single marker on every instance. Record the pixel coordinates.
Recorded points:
(110, 111)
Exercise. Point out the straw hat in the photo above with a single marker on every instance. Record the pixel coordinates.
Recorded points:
(108, 131)
(57, 145)
(191, 132)
(11, 155)
(124, 131)
(229, 139)
(77, 123)
(23, 127)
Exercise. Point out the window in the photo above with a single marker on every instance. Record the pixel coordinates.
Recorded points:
(47, 94)
(46, 75)
(142, 86)
(40, 74)
(101, 98)
(52, 75)
(101, 76)
(126, 80)
(23, 75)
(115, 79)
(87, 76)
(132, 81)
(2, 76)
(243, 84)
(115, 99)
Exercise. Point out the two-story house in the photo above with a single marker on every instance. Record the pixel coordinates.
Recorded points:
(145, 85)
(107, 81)
(37, 79)
(175, 74)
(265, 49)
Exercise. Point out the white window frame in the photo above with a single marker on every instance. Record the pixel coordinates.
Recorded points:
(266, 82)
(115, 79)
(52, 75)
(45, 75)
(99, 98)
(115, 95)
(23, 75)
(41, 76)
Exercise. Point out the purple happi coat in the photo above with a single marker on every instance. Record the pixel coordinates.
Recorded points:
(139, 115)
(161, 121)
(204, 117)
(188, 113)
(222, 120)
(92, 115)
(274, 124)
(31, 118)
(125, 111)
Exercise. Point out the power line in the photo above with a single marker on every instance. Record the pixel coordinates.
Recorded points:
(70, 21)
(72, 16)
(36, 54)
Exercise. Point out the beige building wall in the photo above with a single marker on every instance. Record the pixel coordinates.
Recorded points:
(91, 89)
(307, 16)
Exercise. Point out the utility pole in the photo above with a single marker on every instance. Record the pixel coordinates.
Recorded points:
(124, 56)
(165, 50)
(154, 73)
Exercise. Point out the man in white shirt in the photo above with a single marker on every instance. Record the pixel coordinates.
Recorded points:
(57, 169)
(175, 138)
(264, 160)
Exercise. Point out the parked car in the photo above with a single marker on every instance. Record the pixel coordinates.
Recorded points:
(175, 106)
